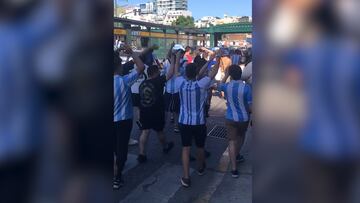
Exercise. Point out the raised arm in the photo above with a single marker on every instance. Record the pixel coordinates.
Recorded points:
(206, 50)
(177, 63)
(140, 67)
(168, 56)
(148, 50)
(215, 69)
(171, 71)
(204, 68)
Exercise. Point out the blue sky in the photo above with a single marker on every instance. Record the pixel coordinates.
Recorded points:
(218, 8)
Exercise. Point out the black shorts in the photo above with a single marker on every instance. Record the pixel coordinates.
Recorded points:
(172, 102)
(153, 120)
(135, 99)
(188, 132)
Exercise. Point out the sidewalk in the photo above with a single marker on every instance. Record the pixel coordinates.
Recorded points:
(158, 180)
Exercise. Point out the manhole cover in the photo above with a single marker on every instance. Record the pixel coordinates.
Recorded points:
(218, 132)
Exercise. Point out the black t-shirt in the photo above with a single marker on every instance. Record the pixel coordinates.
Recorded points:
(151, 94)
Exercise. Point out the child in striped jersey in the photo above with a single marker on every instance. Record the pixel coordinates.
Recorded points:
(239, 98)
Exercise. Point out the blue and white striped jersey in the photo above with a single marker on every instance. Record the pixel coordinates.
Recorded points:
(193, 96)
(123, 109)
(170, 85)
(238, 96)
(22, 46)
(235, 59)
(332, 90)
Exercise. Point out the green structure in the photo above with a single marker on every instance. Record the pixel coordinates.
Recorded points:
(142, 34)
(234, 28)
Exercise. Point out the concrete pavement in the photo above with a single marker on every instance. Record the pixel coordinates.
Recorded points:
(158, 180)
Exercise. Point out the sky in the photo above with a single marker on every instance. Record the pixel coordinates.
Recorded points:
(200, 8)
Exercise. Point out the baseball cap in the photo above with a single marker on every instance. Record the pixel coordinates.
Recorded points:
(178, 47)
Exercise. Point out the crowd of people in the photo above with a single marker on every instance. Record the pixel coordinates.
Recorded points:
(179, 90)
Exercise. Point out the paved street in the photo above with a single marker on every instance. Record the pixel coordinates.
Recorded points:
(158, 180)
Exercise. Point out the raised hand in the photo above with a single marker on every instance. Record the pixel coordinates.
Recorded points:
(155, 47)
(212, 56)
(127, 49)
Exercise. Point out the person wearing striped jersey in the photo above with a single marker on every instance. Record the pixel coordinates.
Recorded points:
(192, 117)
(239, 98)
(171, 96)
(236, 57)
(123, 110)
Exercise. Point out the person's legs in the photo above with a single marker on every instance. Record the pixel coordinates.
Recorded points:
(186, 138)
(123, 131)
(176, 122)
(241, 128)
(233, 153)
(168, 112)
(185, 161)
(232, 136)
(143, 140)
(200, 158)
(200, 138)
(162, 138)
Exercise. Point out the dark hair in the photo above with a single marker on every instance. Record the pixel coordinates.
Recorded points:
(200, 62)
(151, 70)
(117, 61)
(127, 67)
(147, 58)
(235, 72)
(191, 70)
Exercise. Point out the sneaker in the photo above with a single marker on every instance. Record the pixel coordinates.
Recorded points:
(176, 129)
(240, 158)
(235, 174)
(118, 183)
(186, 182)
(168, 147)
(141, 158)
(133, 142)
(201, 171)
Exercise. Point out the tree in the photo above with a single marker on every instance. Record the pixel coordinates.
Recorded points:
(184, 21)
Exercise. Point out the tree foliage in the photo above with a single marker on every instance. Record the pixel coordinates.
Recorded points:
(184, 21)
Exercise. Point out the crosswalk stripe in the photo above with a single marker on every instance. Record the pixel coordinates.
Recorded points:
(224, 161)
(159, 187)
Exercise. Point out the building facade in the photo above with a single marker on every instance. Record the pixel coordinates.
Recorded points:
(163, 6)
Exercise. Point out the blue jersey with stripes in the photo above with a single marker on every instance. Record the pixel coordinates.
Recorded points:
(123, 109)
(332, 86)
(170, 84)
(193, 96)
(238, 96)
(235, 59)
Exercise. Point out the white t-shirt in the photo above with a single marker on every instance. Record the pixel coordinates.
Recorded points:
(142, 77)
(247, 73)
